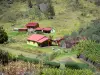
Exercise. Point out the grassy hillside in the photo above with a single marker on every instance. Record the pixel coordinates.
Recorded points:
(68, 18)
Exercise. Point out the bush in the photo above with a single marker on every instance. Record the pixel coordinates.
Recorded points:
(52, 64)
(3, 36)
(26, 59)
(5, 57)
(73, 65)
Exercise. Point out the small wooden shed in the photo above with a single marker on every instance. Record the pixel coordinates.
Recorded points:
(32, 25)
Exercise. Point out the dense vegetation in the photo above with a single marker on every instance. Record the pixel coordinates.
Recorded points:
(78, 20)
(6, 57)
(92, 31)
(89, 49)
(30, 68)
(3, 36)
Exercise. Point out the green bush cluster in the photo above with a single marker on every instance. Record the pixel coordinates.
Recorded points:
(52, 64)
(3, 36)
(90, 49)
(73, 65)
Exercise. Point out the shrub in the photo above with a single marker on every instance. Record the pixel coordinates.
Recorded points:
(5, 57)
(73, 65)
(52, 64)
(3, 36)
(26, 59)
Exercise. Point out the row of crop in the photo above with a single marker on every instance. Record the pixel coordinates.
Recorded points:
(38, 61)
(52, 71)
(71, 65)
(6, 57)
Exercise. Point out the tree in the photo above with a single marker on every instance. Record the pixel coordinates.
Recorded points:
(92, 31)
(30, 4)
(51, 11)
(3, 36)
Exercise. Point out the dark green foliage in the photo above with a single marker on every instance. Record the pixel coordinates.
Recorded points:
(3, 36)
(89, 49)
(36, 61)
(52, 64)
(51, 10)
(30, 4)
(92, 31)
(26, 59)
(97, 2)
(73, 65)
(5, 57)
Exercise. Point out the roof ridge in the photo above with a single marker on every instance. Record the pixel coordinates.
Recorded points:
(41, 38)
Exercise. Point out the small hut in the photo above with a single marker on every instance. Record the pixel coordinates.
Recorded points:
(32, 25)
(39, 29)
(48, 30)
(38, 40)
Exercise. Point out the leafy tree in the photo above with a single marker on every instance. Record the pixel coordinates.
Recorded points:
(3, 36)
(50, 9)
(92, 31)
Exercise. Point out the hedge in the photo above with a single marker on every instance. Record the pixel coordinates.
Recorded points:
(74, 65)
(26, 59)
(52, 64)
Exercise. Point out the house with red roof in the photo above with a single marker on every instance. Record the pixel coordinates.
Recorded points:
(32, 25)
(39, 29)
(45, 30)
(38, 40)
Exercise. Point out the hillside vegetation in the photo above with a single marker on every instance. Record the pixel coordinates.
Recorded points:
(70, 15)
(77, 22)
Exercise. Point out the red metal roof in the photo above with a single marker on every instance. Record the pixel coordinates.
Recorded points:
(38, 28)
(38, 38)
(32, 24)
(43, 39)
(47, 29)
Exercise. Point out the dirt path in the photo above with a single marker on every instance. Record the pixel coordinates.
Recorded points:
(18, 52)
